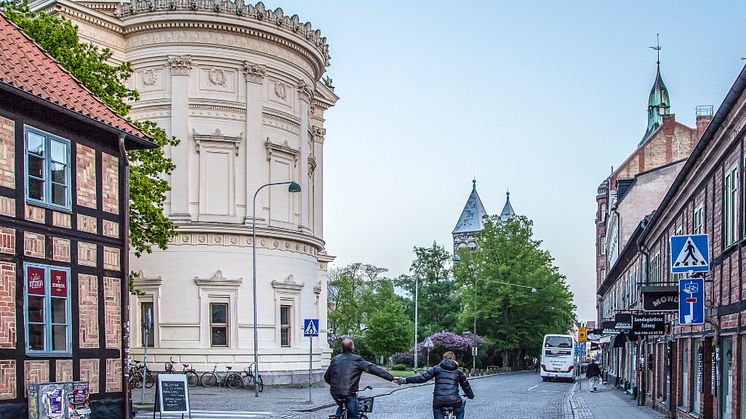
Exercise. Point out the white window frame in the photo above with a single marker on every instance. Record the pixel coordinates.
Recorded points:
(698, 220)
(226, 325)
(730, 206)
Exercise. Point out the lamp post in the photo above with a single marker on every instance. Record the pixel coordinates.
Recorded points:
(416, 294)
(293, 187)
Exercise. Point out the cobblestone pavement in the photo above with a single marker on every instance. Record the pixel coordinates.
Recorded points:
(607, 403)
(520, 395)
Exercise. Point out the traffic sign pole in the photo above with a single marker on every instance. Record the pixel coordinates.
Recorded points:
(310, 366)
(310, 330)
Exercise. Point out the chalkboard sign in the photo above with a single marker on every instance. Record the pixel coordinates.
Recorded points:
(172, 394)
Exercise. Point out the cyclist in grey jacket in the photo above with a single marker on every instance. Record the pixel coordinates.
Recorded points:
(343, 377)
(448, 378)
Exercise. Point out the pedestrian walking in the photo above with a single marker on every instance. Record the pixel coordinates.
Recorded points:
(593, 373)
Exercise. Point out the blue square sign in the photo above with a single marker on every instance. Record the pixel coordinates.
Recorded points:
(311, 327)
(691, 301)
(690, 253)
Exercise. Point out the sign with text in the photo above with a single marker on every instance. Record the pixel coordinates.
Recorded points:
(691, 301)
(609, 328)
(35, 280)
(58, 283)
(649, 325)
(172, 393)
(660, 300)
(623, 321)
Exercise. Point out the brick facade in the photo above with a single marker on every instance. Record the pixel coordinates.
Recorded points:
(7, 379)
(113, 375)
(7, 206)
(35, 214)
(60, 249)
(34, 245)
(7, 240)
(34, 372)
(60, 219)
(85, 175)
(111, 258)
(89, 371)
(111, 229)
(111, 183)
(87, 254)
(7, 153)
(87, 223)
(63, 370)
(7, 305)
(88, 311)
(113, 312)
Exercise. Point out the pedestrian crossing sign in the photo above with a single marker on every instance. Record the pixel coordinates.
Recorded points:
(690, 253)
(311, 327)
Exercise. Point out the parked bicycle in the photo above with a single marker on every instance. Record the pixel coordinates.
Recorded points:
(365, 405)
(247, 377)
(229, 379)
(192, 377)
(136, 372)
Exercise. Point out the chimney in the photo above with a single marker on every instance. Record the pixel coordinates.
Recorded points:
(704, 116)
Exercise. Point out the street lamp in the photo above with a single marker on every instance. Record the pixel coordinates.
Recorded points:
(293, 187)
(416, 294)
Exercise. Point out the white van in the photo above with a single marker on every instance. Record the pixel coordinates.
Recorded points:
(558, 357)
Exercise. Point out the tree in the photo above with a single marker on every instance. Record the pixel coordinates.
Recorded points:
(350, 302)
(389, 329)
(514, 317)
(91, 66)
(438, 301)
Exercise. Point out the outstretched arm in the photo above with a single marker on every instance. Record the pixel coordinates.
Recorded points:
(374, 369)
(424, 377)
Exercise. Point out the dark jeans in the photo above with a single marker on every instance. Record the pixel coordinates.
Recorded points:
(458, 410)
(351, 403)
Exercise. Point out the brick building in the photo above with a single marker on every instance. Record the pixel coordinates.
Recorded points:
(688, 371)
(63, 230)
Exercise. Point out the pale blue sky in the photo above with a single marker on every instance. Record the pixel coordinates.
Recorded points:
(539, 97)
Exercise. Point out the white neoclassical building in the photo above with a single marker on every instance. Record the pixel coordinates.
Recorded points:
(241, 87)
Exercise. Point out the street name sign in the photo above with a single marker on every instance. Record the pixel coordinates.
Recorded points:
(691, 301)
(690, 253)
(310, 327)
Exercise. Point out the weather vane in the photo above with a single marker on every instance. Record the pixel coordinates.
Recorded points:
(657, 47)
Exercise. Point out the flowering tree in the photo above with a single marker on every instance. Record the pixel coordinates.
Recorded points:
(448, 341)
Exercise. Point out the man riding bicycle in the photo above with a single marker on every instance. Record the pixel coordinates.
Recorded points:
(343, 376)
(448, 378)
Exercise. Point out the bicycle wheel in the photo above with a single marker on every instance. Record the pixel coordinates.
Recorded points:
(209, 379)
(362, 416)
(136, 380)
(149, 380)
(261, 384)
(233, 380)
(192, 378)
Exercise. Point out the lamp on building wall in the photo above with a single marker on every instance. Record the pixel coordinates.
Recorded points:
(293, 187)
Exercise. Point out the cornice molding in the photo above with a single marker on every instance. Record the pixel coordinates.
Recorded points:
(244, 240)
(217, 137)
(283, 148)
(218, 280)
(287, 284)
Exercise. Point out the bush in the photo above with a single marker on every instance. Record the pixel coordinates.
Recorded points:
(399, 367)
(402, 358)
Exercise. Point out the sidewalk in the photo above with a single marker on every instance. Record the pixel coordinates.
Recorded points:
(607, 403)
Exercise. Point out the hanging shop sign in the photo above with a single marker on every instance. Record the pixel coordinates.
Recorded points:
(660, 300)
(649, 325)
(623, 321)
(700, 366)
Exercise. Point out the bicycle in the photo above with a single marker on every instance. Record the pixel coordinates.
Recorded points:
(136, 372)
(248, 378)
(191, 373)
(365, 405)
(449, 412)
(229, 378)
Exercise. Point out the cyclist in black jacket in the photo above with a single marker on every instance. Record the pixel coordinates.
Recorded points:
(448, 378)
(343, 377)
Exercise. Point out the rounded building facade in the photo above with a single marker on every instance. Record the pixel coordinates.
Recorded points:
(241, 87)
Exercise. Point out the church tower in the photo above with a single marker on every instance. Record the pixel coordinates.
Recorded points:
(659, 104)
(507, 212)
(470, 222)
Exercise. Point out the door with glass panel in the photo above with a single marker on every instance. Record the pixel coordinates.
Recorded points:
(726, 378)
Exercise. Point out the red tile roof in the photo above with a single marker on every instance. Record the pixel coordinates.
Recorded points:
(26, 66)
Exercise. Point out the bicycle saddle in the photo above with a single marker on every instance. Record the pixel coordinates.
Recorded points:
(229, 368)
(185, 365)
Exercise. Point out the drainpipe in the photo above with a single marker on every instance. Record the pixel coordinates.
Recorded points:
(124, 161)
(643, 375)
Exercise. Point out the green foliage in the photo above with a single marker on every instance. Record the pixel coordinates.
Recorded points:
(91, 66)
(438, 299)
(350, 299)
(514, 318)
(398, 367)
(389, 329)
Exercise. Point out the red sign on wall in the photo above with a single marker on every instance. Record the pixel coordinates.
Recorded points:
(35, 280)
(58, 283)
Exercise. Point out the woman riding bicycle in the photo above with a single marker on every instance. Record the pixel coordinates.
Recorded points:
(448, 378)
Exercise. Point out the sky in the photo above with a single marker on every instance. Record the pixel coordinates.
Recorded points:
(542, 98)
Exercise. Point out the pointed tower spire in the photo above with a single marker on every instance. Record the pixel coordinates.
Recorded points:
(470, 220)
(659, 103)
(507, 212)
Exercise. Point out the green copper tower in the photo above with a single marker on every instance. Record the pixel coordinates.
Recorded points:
(659, 104)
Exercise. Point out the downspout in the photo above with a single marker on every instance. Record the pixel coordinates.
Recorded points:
(643, 382)
(124, 162)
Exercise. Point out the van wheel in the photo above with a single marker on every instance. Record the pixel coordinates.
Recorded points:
(544, 379)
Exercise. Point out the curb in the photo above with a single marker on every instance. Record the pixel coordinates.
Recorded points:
(397, 389)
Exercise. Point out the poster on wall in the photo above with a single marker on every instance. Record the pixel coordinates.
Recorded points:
(58, 283)
(63, 400)
(35, 281)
